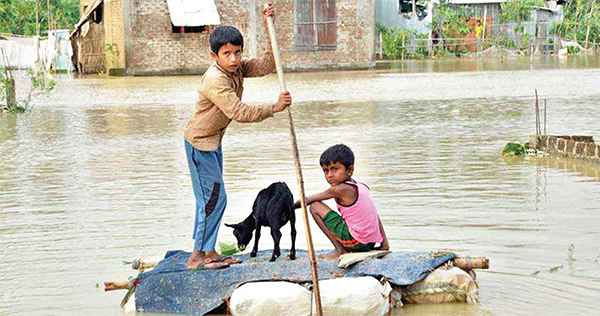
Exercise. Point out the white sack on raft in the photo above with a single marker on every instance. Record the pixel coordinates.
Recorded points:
(443, 285)
(270, 298)
(364, 296)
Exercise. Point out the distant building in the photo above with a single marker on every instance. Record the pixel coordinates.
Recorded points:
(399, 14)
(146, 37)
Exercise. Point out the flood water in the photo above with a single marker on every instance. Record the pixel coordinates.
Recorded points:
(97, 174)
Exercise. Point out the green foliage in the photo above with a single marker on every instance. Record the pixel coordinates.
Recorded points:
(570, 253)
(112, 49)
(18, 16)
(555, 269)
(39, 86)
(578, 16)
(572, 50)
(505, 41)
(514, 149)
(450, 21)
(394, 41)
(518, 10)
(228, 249)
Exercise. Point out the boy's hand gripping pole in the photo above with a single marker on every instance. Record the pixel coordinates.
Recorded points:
(311, 251)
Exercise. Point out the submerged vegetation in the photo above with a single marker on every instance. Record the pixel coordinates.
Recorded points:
(40, 85)
(515, 149)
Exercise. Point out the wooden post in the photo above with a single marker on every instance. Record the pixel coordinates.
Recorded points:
(37, 17)
(414, 7)
(11, 95)
(403, 46)
(545, 117)
(311, 251)
(11, 99)
(587, 35)
(116, 285)
(537, 115)
(381, 45)
(49, 24)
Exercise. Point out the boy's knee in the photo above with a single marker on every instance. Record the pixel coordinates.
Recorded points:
(318, 208)
(312, 208)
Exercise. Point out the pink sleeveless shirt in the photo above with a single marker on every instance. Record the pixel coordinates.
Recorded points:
(361, 217)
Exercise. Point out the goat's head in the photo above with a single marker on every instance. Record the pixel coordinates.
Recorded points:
(243, 233)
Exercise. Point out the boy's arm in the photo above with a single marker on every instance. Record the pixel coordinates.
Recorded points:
(258, 67)
(332, 192)
(384, 244)
(224, 97)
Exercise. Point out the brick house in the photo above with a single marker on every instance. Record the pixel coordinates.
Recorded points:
(139, 37)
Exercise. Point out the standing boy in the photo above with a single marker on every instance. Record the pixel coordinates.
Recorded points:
(219, 102)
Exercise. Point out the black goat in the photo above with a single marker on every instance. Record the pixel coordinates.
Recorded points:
(273, 207)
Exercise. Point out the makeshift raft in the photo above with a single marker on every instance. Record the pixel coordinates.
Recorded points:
(171, 288)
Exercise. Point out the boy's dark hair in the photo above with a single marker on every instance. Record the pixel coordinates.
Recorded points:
(340, 152)
(225, 34)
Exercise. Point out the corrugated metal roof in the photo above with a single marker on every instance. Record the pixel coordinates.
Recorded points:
(193, 12)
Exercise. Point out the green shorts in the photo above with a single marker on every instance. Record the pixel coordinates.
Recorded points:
(337, 226)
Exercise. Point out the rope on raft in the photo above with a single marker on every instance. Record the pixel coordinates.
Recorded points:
(133, 282)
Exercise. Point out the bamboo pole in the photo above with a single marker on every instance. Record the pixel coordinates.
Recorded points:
(545, 117)
(37, 17)
(116, 285)
(311, 251)
(587, 35)
(469, 263)
(484, 23)
(537, 114)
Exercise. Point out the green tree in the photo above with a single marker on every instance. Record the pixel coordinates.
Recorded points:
(18, 16)
(519, 11)
(450, 22)
(579, 16)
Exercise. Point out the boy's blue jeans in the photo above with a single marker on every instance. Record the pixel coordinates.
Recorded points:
(206, 170)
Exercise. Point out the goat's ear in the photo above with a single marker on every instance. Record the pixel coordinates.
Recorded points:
(231, 225)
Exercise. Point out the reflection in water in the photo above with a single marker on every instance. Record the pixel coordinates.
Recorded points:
(96, 174)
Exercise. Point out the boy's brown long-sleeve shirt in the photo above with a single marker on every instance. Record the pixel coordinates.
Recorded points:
(219, 102)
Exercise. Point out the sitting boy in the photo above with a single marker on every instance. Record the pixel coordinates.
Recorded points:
(219, 102)
(359, 227)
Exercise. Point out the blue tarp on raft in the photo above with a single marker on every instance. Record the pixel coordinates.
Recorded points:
(171, 288)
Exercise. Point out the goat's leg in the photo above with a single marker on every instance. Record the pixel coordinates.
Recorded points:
(276, 233)
(256, 238)
(293, 229)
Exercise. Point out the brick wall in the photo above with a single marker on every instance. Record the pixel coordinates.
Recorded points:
(152, 48)
(114, 34)
(581, 147)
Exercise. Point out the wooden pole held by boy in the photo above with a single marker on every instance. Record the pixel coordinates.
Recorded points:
(311, 251)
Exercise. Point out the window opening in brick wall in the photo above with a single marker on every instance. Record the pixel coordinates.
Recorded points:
(189, 29)
(98, 14)
(315, 25)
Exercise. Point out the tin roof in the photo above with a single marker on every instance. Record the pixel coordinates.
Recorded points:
(193, 12)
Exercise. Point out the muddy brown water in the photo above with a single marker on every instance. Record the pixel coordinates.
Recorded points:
(96, 174)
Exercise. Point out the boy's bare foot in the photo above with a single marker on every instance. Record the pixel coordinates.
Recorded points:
(334, 254)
